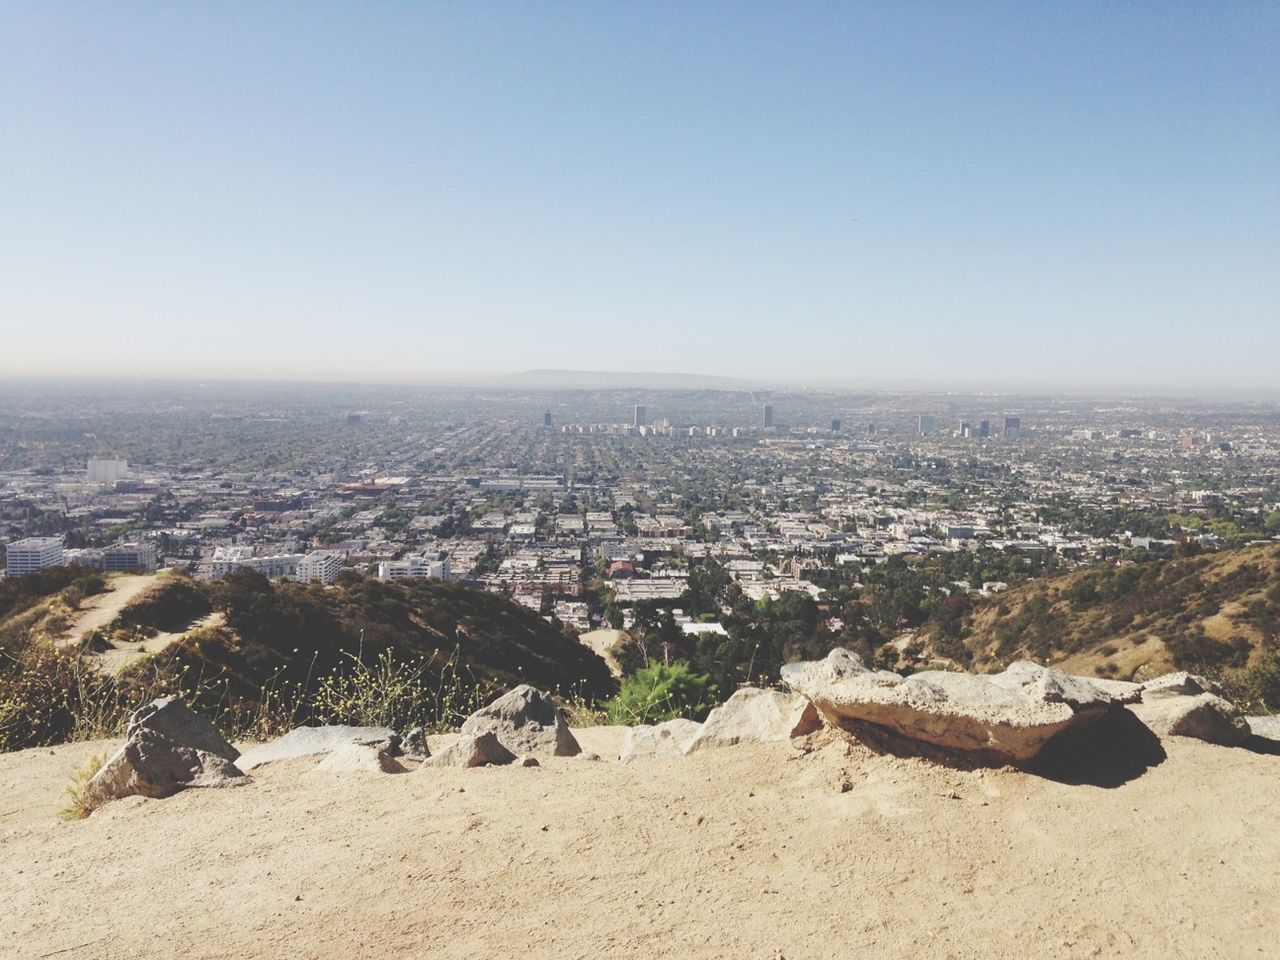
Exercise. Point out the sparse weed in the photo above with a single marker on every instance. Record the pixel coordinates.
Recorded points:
(79, 805)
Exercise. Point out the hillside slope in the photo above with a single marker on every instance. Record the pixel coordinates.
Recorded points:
(1209, 612)
(251, 652)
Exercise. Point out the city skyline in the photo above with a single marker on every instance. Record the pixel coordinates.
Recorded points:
(1079, 198)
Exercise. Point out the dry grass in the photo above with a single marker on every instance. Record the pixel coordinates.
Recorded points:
(79, 806)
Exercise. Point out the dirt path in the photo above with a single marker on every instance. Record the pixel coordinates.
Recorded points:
(751, 852)
(113, 661)
(100, 610)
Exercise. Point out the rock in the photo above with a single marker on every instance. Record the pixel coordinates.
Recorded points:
(1205, 716)
(472, 750)
(1181, 684)
(670, 738)
(360, 758)
(752, 715)
(172, 718)
(414, 744)
(1121, 691)
(1186, 705)
(525, 720)
(589, 757)
(1266, 727)
(527, 762)
(310, 741)
(1002, 717)
(151, 764)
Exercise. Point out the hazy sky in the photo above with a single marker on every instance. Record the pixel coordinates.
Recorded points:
(981, 192)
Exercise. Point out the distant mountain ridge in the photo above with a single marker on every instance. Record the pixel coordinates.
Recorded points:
(611, 380)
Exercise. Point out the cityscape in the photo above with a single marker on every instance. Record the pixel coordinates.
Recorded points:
(581, 504)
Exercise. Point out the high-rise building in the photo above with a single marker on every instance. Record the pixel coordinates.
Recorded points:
(767, 416)
(984, 428)
(835, 424)
(107, 471)
(871, 429)
(966, 429)
(1012, 428)
(32, 554)
(924, 424)
(641, 415)
(546, 419)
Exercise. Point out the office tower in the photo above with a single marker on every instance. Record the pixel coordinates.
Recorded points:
(966, 430)
(32, 554)
(767, 416)
(924, 424)
(835, 424)
(984, 428)
(1012, 427)
(641, 415)
(546, 419)
(107, 471)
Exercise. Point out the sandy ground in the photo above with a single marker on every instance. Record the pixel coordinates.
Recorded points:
(745, 852)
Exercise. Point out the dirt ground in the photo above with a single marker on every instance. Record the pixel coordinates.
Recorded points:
(745, 852)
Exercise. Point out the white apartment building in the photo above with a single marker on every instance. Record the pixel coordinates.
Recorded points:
(226, 559)
(107, 471)
(322, 565)
(32, 554)
(417, 566)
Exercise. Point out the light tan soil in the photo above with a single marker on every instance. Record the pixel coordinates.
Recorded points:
(744, 852)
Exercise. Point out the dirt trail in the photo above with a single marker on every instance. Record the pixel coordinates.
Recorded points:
(750, 851)
(113, 661)
(100, 610)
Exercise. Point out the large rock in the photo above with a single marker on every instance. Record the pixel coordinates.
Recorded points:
(1185, 705)
(472, 750)
(752, 715)
(172, 718)
(1001, 717)
(360, 758)
(153, 765)
(526, 721)
(312, 741)
(671, 738)
(167, 748)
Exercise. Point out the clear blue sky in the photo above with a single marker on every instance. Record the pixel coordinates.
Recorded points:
(979, 192)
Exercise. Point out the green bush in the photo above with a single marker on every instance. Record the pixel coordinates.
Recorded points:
(661, 692)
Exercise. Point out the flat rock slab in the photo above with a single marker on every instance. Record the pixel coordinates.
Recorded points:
(359, 758)
(753, 715)
(310, 742)
(526, 721)
(1001, 717)
(670, 738)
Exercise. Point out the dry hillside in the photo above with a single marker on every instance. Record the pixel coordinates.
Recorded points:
(1211, 612)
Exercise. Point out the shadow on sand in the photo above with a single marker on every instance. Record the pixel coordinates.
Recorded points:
(1111, 751)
